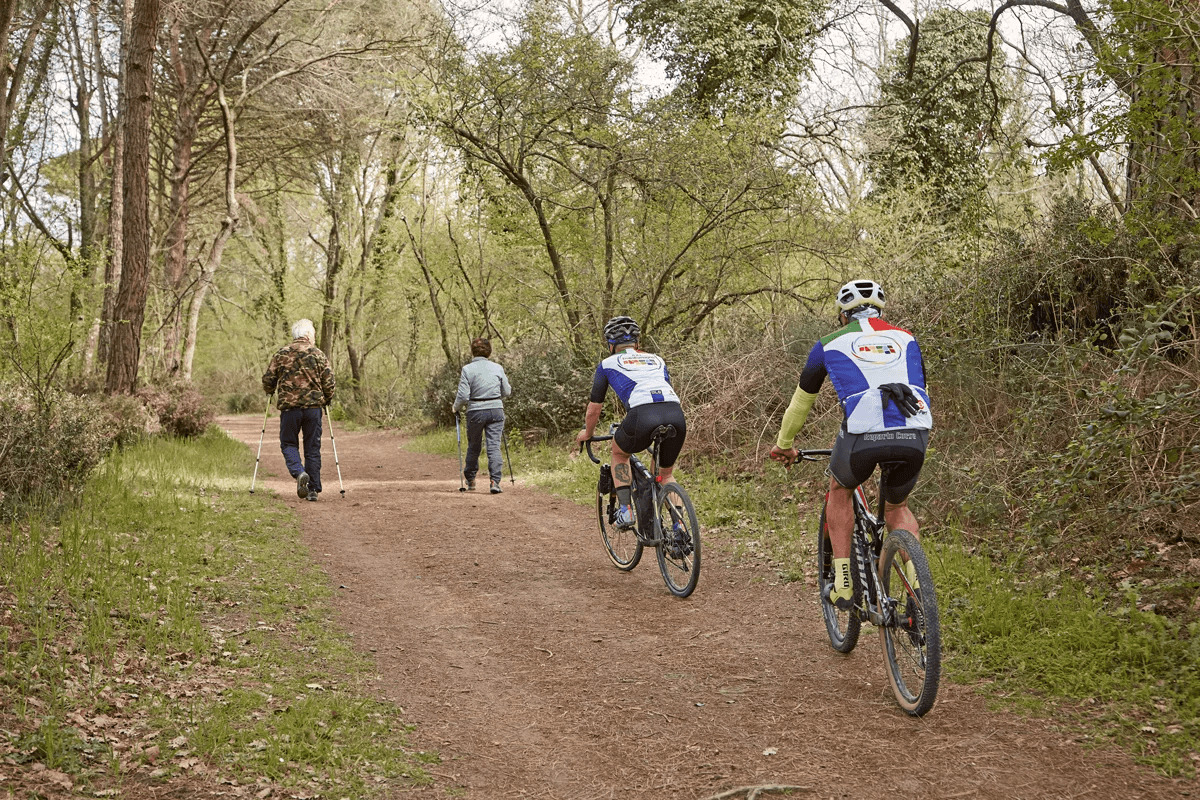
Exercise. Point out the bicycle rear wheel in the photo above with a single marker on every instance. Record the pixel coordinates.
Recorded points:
(679, 552)
(843, 626)
(622, 545)
(912, 645)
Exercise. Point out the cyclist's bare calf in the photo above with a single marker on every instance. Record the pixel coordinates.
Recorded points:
(623, 475)
(839, 517)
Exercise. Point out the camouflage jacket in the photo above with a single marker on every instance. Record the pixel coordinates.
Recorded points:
(300, 377)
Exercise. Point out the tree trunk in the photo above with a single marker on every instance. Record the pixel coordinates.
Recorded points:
(228, 226)
(175, 258)
(13, 66)
(116, 207)
(333, 265)
(93, 337)
(130, 307)
(1164, 152)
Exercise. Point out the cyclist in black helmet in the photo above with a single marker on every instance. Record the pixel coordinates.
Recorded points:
(643, 386)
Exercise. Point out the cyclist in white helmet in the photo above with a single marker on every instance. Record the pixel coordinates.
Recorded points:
(643, 386)
(879, 376)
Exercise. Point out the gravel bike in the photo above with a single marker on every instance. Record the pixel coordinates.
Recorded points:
(664, 518)
(893, 590)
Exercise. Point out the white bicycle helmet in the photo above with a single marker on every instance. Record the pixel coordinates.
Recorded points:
(859, 293)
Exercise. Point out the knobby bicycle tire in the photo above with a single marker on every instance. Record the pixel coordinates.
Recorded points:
(622, 545)
(843, 627)
(679, 564)
(912, 646)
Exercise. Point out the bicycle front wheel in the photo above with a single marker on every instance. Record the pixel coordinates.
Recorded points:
(679, 551)
(912, 643)
(843, 627)
(622, 545)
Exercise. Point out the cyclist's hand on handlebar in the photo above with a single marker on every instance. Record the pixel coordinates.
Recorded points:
(785, 457)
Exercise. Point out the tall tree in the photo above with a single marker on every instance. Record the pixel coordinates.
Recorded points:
(130, 308)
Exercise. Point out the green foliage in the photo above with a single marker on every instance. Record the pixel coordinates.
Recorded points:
(132, 602)
(731, 57)
(930, 129)
(49, 442)
(550, 389)
(181, 409)
(1052, 638)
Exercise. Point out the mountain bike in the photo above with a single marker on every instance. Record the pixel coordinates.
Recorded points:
(893, 590)
(664, 518)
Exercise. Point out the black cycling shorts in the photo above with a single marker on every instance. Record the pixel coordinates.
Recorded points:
(633, 435)
(855, 456)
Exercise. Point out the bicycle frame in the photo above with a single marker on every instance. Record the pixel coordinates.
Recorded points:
(656, 537)
(867, 542)
(867, 539)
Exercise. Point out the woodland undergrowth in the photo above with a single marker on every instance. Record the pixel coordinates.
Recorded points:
(167, 628)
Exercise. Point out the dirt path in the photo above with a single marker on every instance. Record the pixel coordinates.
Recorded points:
(539, 671)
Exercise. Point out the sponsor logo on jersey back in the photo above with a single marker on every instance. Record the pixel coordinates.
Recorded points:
(637, 361)
(876, 348)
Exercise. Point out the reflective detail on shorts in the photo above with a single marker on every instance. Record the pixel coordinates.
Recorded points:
(855, 456)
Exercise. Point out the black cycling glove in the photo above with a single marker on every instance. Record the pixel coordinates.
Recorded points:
(902, 395)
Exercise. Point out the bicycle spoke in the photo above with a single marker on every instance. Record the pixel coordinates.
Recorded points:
(679, 551)
(912, 643)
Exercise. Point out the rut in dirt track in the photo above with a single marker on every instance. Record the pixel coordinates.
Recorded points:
(537, 670)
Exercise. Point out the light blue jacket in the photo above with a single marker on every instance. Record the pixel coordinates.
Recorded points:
(482, 384)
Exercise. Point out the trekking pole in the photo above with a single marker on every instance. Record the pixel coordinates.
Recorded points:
(260, 441)
(512, 481)
(332, 441)
(458, 438)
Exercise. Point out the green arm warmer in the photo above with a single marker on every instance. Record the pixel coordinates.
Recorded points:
(793, 418)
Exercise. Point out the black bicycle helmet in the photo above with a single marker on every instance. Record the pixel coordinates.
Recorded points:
(619, 330)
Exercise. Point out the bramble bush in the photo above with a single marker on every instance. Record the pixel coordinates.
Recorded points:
(48, 445)
(181, 409)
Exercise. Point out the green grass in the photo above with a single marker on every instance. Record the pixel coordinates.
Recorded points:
(1044, 644)
(176, 602)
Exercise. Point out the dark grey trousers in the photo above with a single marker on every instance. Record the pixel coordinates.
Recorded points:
(487, 422)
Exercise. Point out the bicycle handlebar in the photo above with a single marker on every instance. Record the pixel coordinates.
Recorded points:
(813, 455)
(588, 444)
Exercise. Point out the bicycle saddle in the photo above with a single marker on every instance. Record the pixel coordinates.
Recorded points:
(664, 432)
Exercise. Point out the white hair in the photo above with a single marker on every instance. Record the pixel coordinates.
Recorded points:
(303, 329)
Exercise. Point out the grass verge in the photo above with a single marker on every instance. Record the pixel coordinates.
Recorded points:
(173, 629)
(1045, 643)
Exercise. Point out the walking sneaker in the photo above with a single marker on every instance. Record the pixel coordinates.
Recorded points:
(312, 497)
(470, 482)
(624, 517)
(302, 485)
(681, 541)
(495, 487)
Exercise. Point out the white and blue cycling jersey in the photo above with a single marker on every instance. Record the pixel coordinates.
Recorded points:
(860, 358)
(637, 378)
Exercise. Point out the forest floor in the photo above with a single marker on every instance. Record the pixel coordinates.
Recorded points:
(537, 670)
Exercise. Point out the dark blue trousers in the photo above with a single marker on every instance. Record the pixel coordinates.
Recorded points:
(292, 423)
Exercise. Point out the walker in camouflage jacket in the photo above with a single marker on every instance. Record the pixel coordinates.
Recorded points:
(300, 376)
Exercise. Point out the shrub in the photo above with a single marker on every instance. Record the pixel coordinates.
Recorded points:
(550, 389)
(439, 394)
(243, 402)
(48, 445)
(181, 409)
(129, 419)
